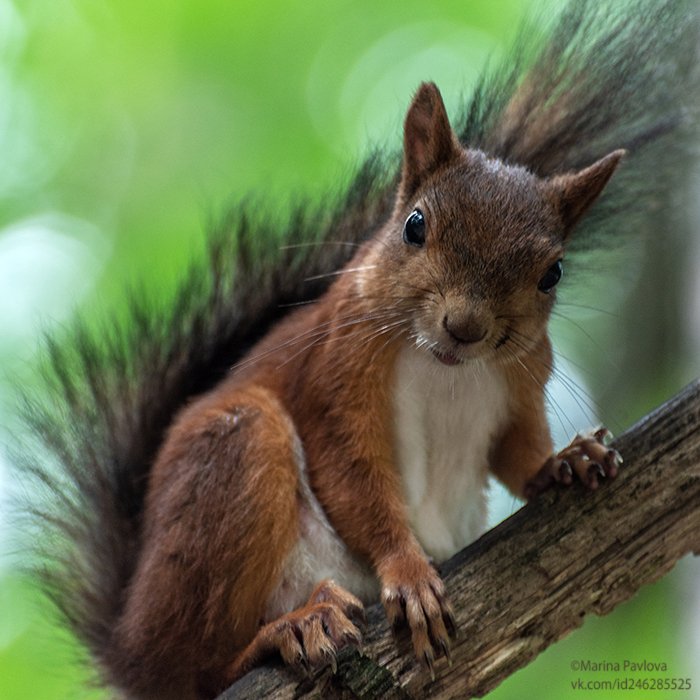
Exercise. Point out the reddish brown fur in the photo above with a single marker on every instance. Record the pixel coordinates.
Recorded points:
(222, 508)
(524, 446)
(231, 451)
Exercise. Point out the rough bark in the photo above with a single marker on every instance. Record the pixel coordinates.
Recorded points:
(532, 579)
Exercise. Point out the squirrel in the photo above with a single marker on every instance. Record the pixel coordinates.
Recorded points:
(302, 433)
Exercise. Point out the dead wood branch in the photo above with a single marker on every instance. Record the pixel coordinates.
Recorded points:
(531, 580)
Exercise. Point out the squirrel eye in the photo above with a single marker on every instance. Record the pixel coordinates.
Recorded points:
(414, 228)
(551, 278)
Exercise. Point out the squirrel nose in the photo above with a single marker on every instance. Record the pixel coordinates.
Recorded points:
(468, 330)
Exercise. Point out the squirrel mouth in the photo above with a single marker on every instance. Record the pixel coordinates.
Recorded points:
(446, 358)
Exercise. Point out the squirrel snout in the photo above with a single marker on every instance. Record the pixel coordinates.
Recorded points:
(467, 330)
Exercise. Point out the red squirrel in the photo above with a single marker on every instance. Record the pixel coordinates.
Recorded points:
(347, 447)
(353, 442)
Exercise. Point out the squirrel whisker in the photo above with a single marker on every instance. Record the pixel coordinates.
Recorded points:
(345, 271)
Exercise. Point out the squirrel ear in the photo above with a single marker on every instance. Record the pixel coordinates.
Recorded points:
(577, 191)
(428, 139)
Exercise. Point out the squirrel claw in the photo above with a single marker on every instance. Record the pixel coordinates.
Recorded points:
(602, 435)
(428, 659)
(446, 652)
(450, 621)
(302, 662)
(566, 473)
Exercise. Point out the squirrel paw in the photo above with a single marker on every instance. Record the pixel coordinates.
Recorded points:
(311, 636)
(413, 593)
(587, 459)
(308, 638)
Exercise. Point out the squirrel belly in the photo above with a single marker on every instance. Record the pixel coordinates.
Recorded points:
(318, 554)
(445, 421)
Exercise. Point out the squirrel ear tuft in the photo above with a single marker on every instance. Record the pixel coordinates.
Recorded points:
(577, 191)
(428, 139)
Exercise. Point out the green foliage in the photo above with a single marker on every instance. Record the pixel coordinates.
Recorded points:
(37, 657)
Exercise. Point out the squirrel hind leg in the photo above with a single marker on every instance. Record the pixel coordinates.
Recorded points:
(309, 637)
(222, 515)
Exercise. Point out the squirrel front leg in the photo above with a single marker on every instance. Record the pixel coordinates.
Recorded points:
(524, 446)
(222, 515)
(353, 473)
(523, 457)
(373, 522)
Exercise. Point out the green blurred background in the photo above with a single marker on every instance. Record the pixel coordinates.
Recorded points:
(125, 126)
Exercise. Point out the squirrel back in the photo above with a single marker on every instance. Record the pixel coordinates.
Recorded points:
(608, 76)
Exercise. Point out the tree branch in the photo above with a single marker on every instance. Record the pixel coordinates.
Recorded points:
(531, 580)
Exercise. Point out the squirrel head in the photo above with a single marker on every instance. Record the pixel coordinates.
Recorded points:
(474, 247)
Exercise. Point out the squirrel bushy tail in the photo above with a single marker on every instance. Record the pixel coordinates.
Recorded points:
(606, 75)
(609, 75)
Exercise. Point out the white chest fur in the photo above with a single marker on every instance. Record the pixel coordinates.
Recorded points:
(445, 421)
